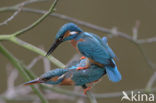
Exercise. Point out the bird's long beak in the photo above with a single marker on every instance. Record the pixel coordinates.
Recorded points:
(53, 47)
(36, 81)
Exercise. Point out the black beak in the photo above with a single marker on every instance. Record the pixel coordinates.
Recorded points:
(36, 81)
(53, 47)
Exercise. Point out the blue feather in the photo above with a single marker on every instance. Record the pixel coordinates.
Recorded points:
(113, 73)
(110, 51)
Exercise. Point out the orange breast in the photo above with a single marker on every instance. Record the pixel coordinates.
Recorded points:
(54, 79)
(67, 81)
(74, 43)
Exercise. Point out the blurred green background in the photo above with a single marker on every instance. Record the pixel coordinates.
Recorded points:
(121, 14)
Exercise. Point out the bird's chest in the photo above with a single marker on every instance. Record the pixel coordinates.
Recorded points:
(75, 42)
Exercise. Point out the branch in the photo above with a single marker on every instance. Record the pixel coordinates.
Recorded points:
(33, 62)
(19, 6)
(92, 97)
(18, 66)
(12, 16)
(51, 10)
(147, 60)
(36, 50)
(151, 81)
(149, 40)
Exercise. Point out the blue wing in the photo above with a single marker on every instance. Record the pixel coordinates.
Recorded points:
(104, 42)
(110, 51)
(92, 48)
(113, 73)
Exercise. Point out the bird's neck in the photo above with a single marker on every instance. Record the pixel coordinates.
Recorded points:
(76, 39)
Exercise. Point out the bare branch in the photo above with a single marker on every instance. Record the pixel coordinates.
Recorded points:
(13, 15)
(149, 40)
(46, 64)
(12, 76)
(33, 62)
(19, 8)
(29, 2)
(151, 81)
(135, 30)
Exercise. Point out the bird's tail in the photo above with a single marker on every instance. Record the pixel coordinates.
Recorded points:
(35, 81)
(113, 73)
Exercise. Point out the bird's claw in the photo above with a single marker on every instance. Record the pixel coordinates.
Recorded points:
(83, 57)
(87, 89)
(80, 68)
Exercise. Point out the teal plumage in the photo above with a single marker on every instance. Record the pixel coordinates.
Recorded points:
(85, 76)
(78, 77)
(94, 49)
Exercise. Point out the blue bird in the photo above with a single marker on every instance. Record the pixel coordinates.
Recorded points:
(88, 44)
(91, 46)
(71, 76)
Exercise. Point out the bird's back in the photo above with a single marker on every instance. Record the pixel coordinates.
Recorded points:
(93, 48)
(81, 77)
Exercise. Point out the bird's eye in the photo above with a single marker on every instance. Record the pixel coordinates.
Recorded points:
(73, 32)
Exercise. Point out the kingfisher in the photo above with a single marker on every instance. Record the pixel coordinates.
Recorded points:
(89, 45)
(71, 76)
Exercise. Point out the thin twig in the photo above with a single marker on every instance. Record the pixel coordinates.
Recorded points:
(12, 76)
(151, 81)
(135, 30)
(51, 10)
(34, 61)
(13, 15)
(148, 40)
(92, 97)
(145, 57)
(19, 6)
(46, 64)
(29, 2)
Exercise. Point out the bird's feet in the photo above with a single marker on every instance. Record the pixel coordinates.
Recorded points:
(83, 57)
(80, 68)
(87, 89)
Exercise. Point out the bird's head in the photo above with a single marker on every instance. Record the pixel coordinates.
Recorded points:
(67, 32)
